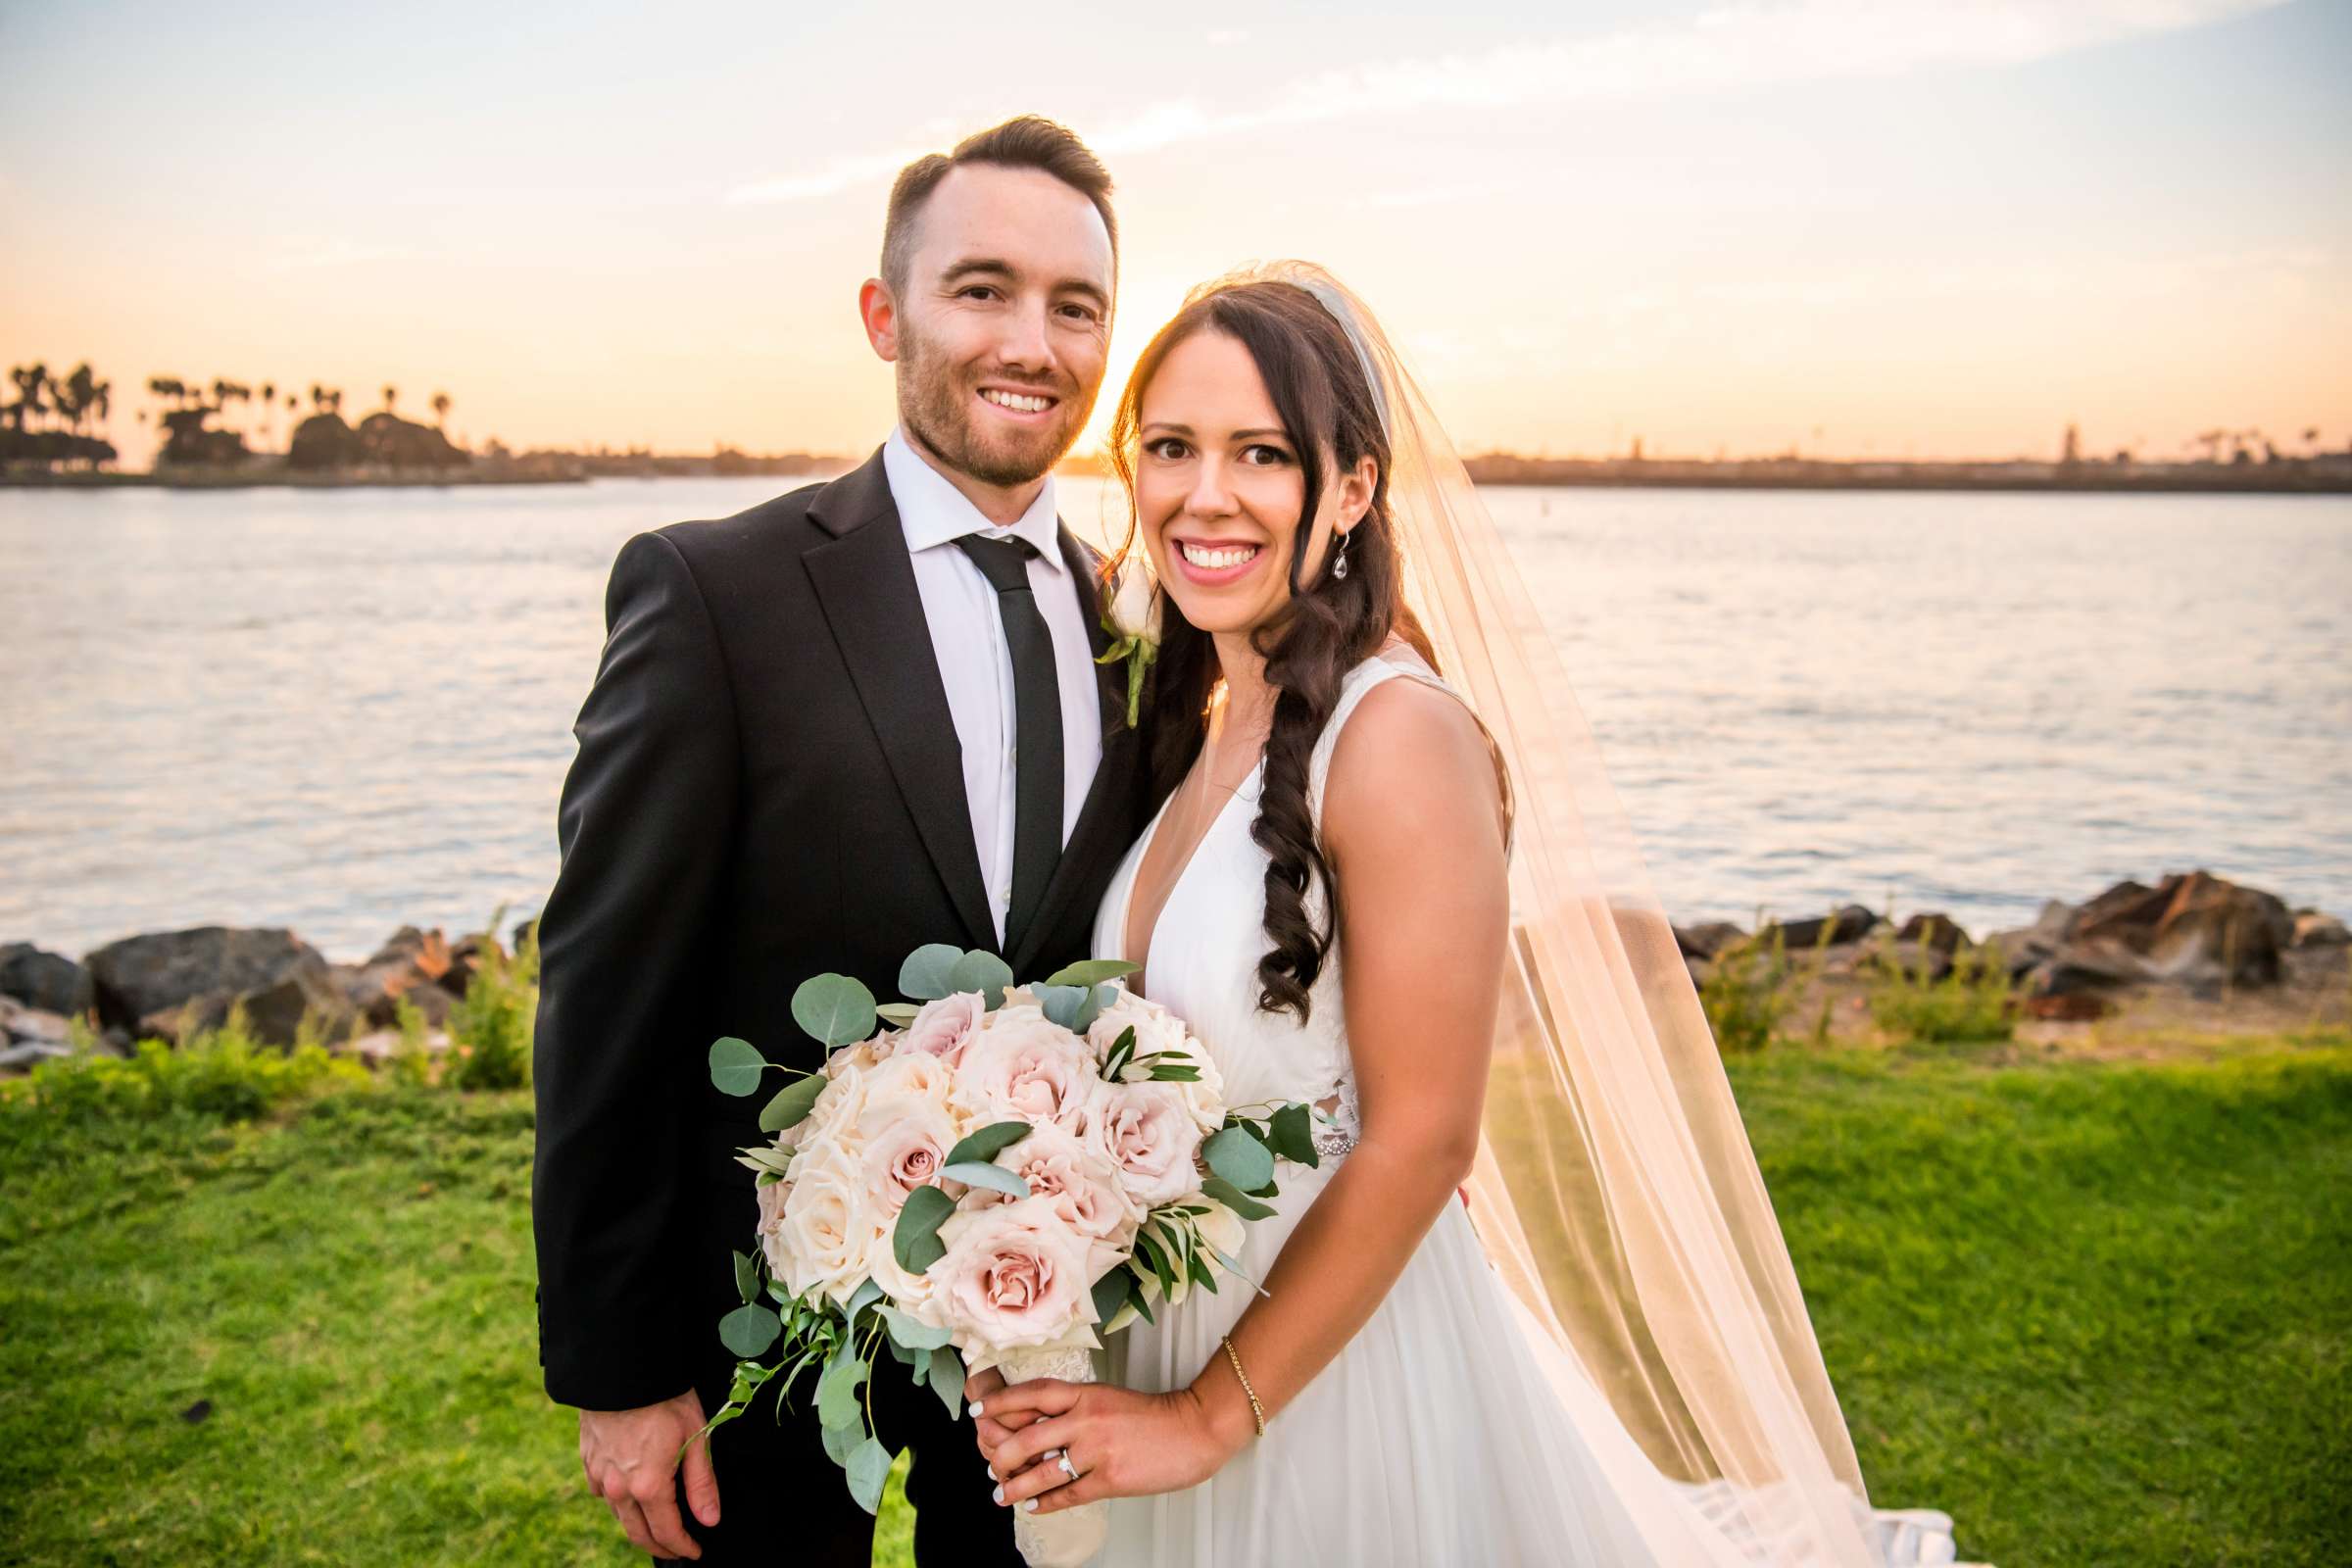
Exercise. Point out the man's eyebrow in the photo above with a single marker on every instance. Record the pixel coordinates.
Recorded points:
(977, 266)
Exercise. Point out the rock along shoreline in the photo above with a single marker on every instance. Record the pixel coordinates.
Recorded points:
(2191, 950)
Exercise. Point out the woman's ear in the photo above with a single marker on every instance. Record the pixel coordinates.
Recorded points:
(1357, 489)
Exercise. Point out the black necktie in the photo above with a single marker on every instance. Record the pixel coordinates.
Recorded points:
(1037, 727)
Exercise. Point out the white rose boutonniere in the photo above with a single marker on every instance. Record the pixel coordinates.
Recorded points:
(1133, 621)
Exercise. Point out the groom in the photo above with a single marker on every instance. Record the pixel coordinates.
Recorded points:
(849, 721)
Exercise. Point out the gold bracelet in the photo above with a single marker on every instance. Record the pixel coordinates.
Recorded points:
(1257, 1412)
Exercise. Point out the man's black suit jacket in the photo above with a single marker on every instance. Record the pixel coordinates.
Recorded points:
(768, 787)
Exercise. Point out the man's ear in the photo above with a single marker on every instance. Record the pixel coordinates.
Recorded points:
(880, 313)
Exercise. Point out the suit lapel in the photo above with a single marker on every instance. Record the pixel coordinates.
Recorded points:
(865, 583)
(1098, 818)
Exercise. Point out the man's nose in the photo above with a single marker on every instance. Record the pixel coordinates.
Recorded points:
(1026, 344)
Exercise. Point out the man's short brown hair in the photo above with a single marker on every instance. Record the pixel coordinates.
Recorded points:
(1027, 141)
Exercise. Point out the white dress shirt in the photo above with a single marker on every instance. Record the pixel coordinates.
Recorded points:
(975, 663)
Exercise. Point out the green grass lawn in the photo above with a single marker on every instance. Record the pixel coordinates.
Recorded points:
(2101, 1312)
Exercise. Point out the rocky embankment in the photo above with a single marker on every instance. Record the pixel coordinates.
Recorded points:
(2194, 951)
(170, 984)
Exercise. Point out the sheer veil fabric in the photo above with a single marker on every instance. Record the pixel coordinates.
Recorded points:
(1615, 1190)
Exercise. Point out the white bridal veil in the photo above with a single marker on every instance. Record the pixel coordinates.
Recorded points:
(1615, 1189)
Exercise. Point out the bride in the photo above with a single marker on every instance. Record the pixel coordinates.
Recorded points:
(1531, 1304)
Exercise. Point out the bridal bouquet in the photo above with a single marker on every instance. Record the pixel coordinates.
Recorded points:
(987, 1175)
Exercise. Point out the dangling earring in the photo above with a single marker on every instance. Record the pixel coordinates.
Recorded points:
(1339, 565)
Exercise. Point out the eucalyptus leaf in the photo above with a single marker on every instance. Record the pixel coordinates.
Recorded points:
(747, 1277)
(1232, 1198)
(1061, 1004)
(791, 1104)
(735, 1066)
(920, 1360)
(750, 1329)
(979, 1173)
(868, 1467)
(946, 1380)
(1293, 1134)
(841, 1440)
(901, 1013)
(863, 1297)
(983, 972)
(914, 1241)
(988, 1142)
(834, 1008)
(913, 1333)
(837, 1387)
(1236, 1154)
(924, 975)
(1092, 972)
(1097, 1000)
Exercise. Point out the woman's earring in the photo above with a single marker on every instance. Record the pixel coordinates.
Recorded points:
(1339, 565)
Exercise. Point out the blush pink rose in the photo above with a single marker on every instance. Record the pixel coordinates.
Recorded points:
(1079, 1181)
(1013, 1277)
(943, 1027)
(1020, 1064)
(1149, 1134)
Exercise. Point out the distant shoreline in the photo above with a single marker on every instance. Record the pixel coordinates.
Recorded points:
(1517, 472)
(280, 478)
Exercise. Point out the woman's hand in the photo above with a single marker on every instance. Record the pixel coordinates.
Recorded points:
(991, 1428)
(1122, 1443)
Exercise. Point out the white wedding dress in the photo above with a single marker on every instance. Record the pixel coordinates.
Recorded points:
(1450, 1429)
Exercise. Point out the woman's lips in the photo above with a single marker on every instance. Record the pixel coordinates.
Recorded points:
(1214, 563)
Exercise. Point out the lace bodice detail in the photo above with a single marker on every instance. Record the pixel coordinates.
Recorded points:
(1211, 933)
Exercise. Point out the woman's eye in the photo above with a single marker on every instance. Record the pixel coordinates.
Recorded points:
(1262, 455)
(1167, 448)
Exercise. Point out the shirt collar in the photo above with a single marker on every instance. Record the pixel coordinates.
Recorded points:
(933, 512)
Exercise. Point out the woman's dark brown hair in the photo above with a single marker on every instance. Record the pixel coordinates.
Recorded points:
(1328, 411)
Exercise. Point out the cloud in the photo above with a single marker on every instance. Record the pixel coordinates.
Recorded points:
(1744, 44)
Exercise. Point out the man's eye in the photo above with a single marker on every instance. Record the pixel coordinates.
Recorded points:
(1078, 313)
(976, 290)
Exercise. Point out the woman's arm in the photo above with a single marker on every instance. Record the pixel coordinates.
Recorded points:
(1412, 824)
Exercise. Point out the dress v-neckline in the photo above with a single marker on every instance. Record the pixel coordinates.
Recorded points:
(1143, 852)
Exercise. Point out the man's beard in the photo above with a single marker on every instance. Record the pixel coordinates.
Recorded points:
(935, 401)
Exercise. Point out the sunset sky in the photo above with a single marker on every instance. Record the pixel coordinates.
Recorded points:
(1856, 227)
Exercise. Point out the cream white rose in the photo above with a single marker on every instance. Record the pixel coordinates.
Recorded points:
(826, 1231)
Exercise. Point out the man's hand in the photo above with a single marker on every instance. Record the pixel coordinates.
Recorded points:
(631, 1458)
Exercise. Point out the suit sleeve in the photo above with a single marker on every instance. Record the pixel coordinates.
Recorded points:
(619, 1047)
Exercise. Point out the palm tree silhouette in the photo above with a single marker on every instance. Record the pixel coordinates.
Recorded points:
(441, 405)
(391, 393)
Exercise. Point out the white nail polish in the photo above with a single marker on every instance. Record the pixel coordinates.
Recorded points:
(1030, 1506)
(975, 1407)
(992, 1472)
(998, 1494)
